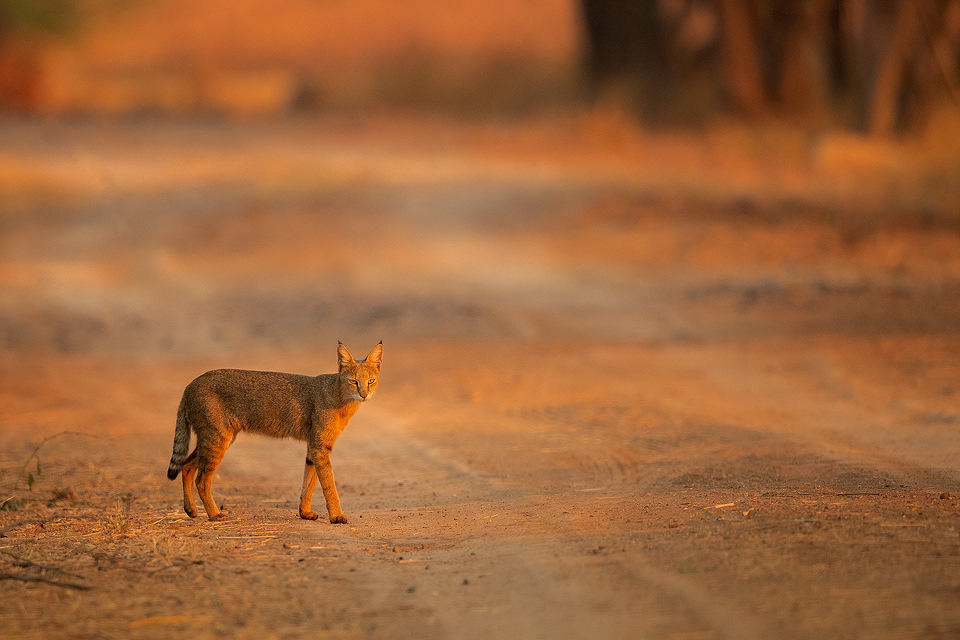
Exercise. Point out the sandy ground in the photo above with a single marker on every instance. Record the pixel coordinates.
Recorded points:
(628, 392)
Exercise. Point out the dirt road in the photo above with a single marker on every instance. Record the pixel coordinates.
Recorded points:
(619, 400)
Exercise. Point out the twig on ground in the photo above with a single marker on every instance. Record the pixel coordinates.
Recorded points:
(36, 450)
(56, 583)
(23, 562)
(14, 525)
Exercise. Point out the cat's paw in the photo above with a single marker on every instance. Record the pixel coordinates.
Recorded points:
(309, 515)
(218, 517)
(191, 512)
(340, 519)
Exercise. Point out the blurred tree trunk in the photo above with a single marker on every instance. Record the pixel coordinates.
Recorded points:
(945, 45)
(622, 38)
(910, 63)
(626, 50)
(893, 53)
(803, 61)
(741, 57)
(933, 75)
(20, 77)
(776, 57)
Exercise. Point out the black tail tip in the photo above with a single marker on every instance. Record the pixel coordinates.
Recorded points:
(172, 473)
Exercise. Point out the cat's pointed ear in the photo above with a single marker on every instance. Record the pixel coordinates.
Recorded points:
(376, 356)
(344, 356)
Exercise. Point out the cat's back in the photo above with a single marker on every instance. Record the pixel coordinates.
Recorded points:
(243, 386)
(268, 402)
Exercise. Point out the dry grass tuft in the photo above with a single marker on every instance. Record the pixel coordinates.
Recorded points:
(116, 522)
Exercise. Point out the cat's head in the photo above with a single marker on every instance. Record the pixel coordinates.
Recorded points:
(359, 378)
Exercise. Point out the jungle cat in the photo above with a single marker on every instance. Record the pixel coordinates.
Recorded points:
(219, 404)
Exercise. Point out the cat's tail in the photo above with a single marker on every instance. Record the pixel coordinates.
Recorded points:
(181, 441)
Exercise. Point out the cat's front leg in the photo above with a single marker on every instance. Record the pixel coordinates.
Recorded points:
(323, 471)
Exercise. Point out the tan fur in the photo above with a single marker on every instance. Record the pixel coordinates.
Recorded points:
(219, 404)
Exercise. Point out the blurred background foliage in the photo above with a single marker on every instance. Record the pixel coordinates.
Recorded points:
(880, 67)
(32, 17)
(870, 65)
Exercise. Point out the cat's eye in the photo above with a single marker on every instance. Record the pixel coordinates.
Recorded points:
(372, 380)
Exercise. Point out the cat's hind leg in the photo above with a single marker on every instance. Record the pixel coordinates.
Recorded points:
(189, 471)
(209, 455)
(306, 493)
